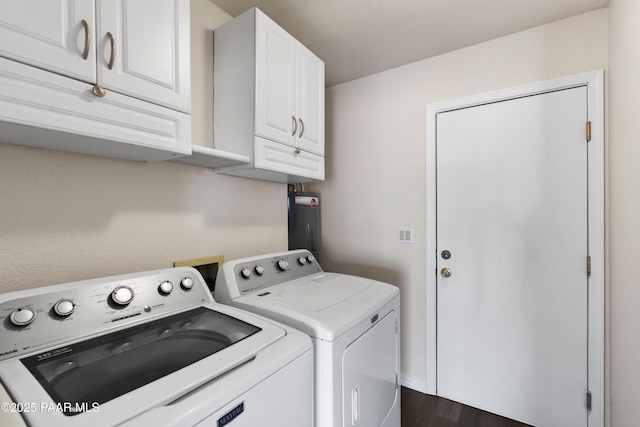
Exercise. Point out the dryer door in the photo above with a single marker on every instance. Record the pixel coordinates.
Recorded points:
(369, 380)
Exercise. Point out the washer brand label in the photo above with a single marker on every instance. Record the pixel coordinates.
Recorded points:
(4, 353)
(231, 415)
(49, 354)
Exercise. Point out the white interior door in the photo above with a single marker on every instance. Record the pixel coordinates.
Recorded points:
(512, 318)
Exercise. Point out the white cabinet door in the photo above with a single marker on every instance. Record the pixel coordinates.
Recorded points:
(148, 48)
(275, 82)
(296, 164)
(309, 101)
(50, 35)
(47, 110)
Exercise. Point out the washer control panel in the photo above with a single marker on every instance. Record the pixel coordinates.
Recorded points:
(240, 277)
(36, 318)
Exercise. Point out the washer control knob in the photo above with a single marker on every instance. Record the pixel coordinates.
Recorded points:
(22, 316)
(310, 258)
(64, 307)
(245, 273)
(165, 288)
(122, 295)
(259, 270)
(187, 283)
(283, 265)
(302, 260)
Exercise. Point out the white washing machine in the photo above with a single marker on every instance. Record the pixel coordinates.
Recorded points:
(354, 324)
(148, 349)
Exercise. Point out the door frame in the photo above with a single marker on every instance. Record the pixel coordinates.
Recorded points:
(594, 81)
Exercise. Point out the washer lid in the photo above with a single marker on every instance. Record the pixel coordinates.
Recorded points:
(324, 305)
(320, 292)
(122, 361)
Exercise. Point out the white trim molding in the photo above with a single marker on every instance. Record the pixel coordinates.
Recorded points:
(413, 383)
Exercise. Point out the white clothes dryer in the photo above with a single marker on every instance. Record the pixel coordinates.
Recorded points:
(354, 324)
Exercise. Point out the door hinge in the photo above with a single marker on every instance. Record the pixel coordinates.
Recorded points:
(588, 266)
(588, 400)
(588, 131)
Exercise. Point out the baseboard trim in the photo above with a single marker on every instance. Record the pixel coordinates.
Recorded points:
(413, 383)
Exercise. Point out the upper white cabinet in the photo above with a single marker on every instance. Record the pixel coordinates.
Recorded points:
(289, 89)
(268, 100)
(105, 77)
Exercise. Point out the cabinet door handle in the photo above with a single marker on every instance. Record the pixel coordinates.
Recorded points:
(301, 128)
(112, 57)
(87, 39)
(295, 126)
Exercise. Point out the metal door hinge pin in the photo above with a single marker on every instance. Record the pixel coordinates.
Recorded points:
(588, 131)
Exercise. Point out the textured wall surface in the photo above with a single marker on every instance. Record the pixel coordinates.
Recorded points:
(361, 37)
(376, 153)
(66, 217)
(624, 149)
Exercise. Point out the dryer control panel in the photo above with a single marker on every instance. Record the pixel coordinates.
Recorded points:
(237, 278)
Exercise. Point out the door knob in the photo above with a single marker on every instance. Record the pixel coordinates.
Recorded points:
(445, 272)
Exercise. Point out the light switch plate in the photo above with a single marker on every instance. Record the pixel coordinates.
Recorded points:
(405, 235)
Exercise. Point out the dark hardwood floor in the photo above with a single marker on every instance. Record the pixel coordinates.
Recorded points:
(422, 410)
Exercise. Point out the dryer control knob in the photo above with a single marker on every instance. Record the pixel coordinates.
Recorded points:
(311, 258)
(259, 270)
(302, 260)
(22, 316)
(245, 273)
(122, 295)
(64, 307)
(283, 265)
(187, 283)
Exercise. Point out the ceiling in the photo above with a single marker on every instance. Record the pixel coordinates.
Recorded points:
(356, 38)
